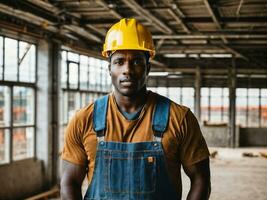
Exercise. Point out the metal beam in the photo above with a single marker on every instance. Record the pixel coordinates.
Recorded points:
(215, 18)
(212, 13)
(145, 13)
(28, 17)
(179, 21)
(104, 4)
(236, 53)
(239, 7)
(82, 32)
(159, 44)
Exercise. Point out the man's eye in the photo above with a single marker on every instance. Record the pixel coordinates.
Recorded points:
(137, 62)
(118, 62)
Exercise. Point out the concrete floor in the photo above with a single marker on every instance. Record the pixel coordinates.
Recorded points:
(234, 177)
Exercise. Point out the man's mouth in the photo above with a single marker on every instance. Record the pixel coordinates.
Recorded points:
(127, 82)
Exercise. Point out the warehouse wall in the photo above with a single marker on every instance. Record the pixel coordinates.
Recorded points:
(21, 179)
(253, 137)
(218, 135)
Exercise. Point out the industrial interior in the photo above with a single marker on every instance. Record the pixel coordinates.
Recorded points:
(211, 56)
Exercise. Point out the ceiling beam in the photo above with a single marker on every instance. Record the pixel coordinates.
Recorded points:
(213, 14)
(105, 5)
(239, 7)
(29, 18)
(179, 21)
(82, 32)
(234, 52)
(145, 13)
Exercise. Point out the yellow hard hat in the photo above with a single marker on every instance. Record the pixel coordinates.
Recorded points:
(128, 34)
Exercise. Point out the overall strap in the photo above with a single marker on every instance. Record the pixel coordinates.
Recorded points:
(161, 116)
(100, 115)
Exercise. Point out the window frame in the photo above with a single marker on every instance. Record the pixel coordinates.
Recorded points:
(18, 83)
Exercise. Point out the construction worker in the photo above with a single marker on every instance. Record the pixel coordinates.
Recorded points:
(132, 142)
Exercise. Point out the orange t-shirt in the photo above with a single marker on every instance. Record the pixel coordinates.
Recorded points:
(182, 141)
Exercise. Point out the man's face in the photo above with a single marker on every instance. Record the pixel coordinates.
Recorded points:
(128, 70)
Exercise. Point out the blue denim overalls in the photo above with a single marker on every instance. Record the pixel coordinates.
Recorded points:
(130, 171)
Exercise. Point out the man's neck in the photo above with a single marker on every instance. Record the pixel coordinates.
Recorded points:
(131, 104)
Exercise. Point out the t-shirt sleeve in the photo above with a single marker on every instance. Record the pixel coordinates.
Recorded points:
(73, 150)
(193, 147)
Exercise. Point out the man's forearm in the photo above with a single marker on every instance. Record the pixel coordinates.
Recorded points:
(199, 190)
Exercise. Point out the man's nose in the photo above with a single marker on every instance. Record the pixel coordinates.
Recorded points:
(127, 68)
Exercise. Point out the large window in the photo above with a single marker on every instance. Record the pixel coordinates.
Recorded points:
(214, 105)
(251, 107)
(83, 79)
(17, 99)
(180, 95)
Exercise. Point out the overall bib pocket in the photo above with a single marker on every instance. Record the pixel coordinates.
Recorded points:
(136, 175)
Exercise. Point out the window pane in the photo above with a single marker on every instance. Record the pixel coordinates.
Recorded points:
(188, 97)
(92, 73)
(253, 92)
(71, 103)
(225, 105)
(264, 111)
(103, 77)
(64, 69)
(84, 70)
(26, 62)
(253, 112)
(73, 75)
(241, 107)
(264, 92)
(22, 140)
(4, 106)
(253, 107)
(11, 59)
(216, 105)
(84, 99)
(23, 106)
(61, 138)
(98, 75)
(241, 92)
(162, 91)
(204, 92)
(264, 107)
(175, 94)
(204, 104)
(65, 108)
(73, 57)
(4, 145)
(1, 58)
(108, 78)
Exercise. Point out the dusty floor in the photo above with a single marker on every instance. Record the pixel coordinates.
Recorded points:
(234, 177)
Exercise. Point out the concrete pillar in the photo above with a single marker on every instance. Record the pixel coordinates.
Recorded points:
(43, 107)
(232, 103)
(197, 93)
(47, 119)
(55, 69)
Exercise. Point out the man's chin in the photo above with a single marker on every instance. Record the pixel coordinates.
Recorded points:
(128, 92)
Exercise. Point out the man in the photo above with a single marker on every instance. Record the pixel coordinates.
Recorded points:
(132, 142)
